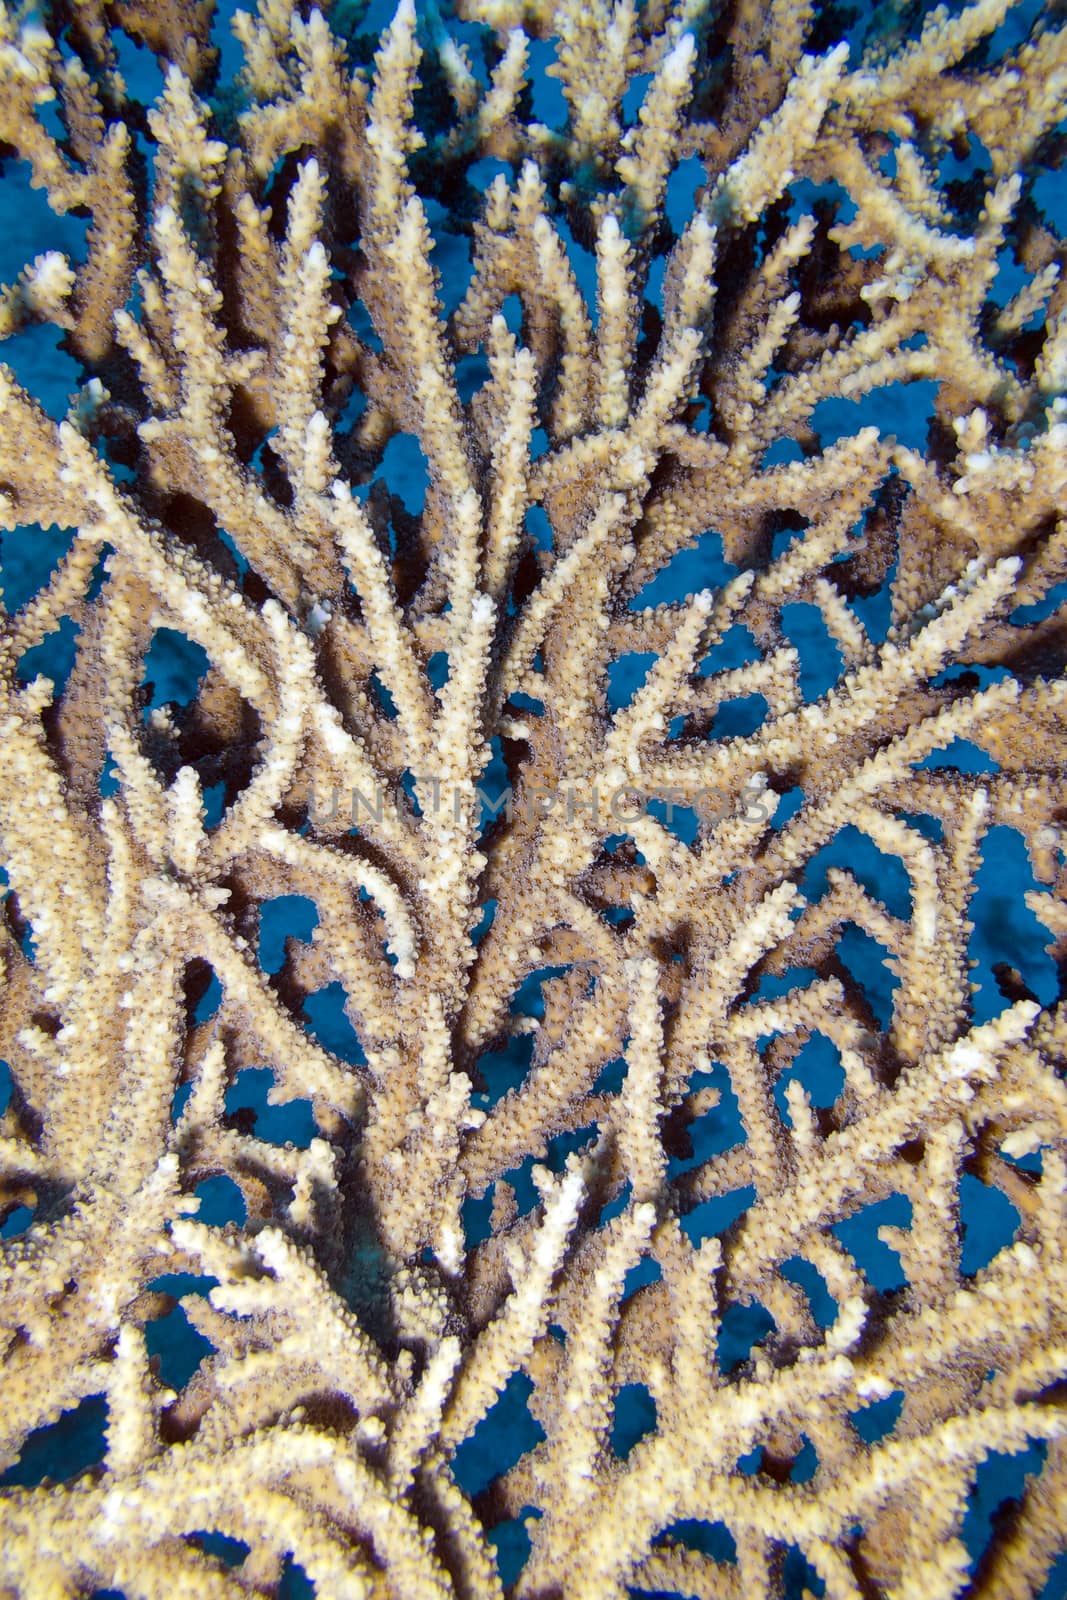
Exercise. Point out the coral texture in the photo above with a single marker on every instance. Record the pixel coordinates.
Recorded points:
(564, 1141)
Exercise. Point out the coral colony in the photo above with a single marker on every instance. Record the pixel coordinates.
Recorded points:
(443, 1100)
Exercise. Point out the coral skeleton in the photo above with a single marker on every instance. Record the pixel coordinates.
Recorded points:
(561, 1140)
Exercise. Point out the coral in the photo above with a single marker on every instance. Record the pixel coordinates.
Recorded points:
(575, 929)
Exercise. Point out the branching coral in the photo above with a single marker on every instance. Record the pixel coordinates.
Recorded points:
(410, 720)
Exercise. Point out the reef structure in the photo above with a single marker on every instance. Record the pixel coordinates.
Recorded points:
(565, 1171)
